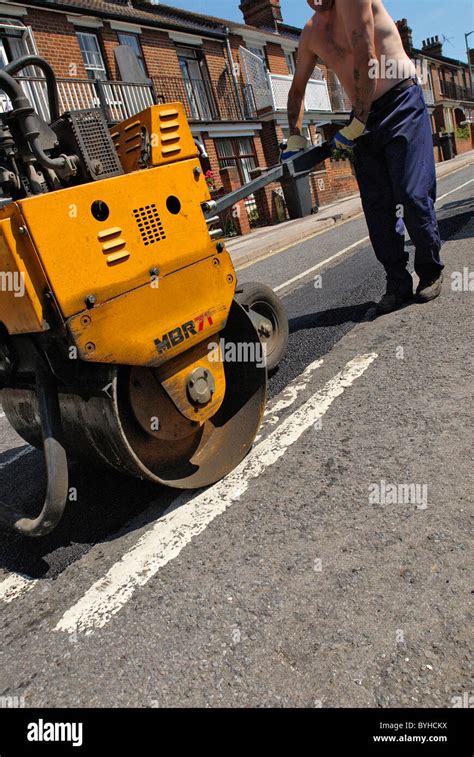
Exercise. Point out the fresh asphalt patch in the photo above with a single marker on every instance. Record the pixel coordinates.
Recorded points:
(320, 313)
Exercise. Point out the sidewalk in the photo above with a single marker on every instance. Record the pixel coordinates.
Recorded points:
(272, 239)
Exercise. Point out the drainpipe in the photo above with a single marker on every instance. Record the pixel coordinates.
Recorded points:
(232, 71)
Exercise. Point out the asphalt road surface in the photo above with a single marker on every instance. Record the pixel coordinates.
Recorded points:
(330, 569)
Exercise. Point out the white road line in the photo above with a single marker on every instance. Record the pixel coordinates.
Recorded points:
(186, 518)
(455, 190)
(319, 265)
(14, 586)
(288, 395)
(314, 268)
(21, 452)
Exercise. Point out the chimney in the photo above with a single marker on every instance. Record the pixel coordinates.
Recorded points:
(432, 46)
(264, 14)
(407, 35)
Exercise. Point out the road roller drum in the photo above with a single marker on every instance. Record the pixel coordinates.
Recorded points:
(116, 352)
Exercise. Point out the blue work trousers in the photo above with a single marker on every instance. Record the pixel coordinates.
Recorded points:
(395, 170)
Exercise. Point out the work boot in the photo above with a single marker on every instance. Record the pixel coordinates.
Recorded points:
(429, 287)
(394, 298)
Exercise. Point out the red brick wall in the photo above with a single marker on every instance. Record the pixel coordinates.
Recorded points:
(109, 41)
(437, 78)
(436, 82)
(210, 148)
(236, 42)
(56, 41)
(261, 13)
(463, 145)
(215, 58)
(334, 183)
(276, 59)
(271, 135)
(159, 52)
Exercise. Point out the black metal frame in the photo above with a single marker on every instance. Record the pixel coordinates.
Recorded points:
(55, 458)
(301, 164)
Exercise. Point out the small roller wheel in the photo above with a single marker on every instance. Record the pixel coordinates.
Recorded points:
(269, 316)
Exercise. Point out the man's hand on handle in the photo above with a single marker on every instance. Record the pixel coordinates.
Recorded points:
(295, 144)
(345, 138)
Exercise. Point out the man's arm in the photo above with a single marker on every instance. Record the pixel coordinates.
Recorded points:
(305, 64)
(359, 24)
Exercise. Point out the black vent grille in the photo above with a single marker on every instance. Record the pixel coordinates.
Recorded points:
(149, 224)
(84, 133)
(95, 142)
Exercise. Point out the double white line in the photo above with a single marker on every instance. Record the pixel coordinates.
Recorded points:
(189, 516)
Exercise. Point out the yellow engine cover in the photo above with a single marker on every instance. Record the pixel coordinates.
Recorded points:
(85, 256)
(158, 135)
(135, 246)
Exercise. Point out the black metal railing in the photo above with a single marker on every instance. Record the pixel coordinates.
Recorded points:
(455, 92)
(206, 100)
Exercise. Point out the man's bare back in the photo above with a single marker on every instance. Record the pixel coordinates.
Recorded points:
(360, 42)
(325, 36)
(391, 146)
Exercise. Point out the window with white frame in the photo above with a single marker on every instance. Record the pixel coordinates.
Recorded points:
(92, 55)
(290, 62)
(16, 40)
(238, 152)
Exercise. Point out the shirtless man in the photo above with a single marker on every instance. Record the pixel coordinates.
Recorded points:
(389, 135)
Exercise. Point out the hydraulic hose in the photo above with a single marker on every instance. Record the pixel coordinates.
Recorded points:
(35, 60)
(23, 110)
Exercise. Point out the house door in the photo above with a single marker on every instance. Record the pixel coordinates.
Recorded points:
(197, 84)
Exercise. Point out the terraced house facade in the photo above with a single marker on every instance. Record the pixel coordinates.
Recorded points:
(233, 78)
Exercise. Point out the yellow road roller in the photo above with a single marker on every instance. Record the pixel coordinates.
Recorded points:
(116, 302)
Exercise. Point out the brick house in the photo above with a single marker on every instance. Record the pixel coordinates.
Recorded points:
(448, 92)
(232, 78)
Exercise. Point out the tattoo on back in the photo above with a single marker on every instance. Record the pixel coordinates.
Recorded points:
(356, 38)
